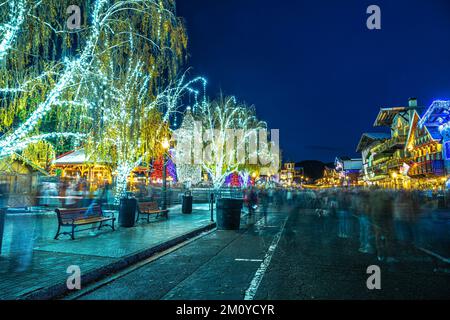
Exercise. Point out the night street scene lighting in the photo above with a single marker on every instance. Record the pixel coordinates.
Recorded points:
(230, 157)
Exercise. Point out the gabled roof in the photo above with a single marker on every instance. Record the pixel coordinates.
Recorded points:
(75, 157)
(437, 114)
(72, 157)
(368, 138)
(386, 116)
(432, 130)
(14, 167)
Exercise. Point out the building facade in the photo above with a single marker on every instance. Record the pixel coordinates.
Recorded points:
(411, 155)
(330, 179)
(291, 175)
(348, 170)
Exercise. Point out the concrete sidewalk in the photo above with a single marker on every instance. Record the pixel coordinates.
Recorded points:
(33, 265)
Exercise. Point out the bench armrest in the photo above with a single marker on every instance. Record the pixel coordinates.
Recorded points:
(109, 215)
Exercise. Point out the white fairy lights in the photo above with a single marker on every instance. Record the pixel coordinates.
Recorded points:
(11, 29)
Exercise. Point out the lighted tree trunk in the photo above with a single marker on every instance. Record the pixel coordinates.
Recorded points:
(123, 172)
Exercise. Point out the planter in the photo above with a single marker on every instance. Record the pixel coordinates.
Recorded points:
(186, 206)
(229, 213)
(127, 212)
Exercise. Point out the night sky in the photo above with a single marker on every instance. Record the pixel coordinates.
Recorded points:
(314, 70)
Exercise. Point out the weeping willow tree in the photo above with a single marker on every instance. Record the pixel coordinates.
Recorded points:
(126, 125)
(52, 79)
(119, 105)
(33, 63)
(110, 85)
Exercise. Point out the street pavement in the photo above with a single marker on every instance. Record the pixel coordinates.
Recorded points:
(32, 260)
(220, 265)
(320, 258)
(293, 254)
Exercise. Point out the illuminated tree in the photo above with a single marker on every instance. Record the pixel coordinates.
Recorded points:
(102, 83)
(40, 153)
(224, 153)
(55, 68)
(37, 74)
(15, 15)
(188, 173)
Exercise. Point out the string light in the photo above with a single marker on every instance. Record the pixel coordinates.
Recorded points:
(34, 139)
(438, 104)
(218, 117)
(11, 29)
(188, 173)
(71, 68)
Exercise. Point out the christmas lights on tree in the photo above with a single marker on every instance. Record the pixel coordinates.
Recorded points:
(111, 86)
(11, 28)
(218, 118)
(188, 172)
(109, 92)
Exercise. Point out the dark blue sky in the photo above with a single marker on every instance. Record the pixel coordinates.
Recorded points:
(314, 70)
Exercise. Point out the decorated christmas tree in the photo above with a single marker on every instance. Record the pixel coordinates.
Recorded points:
(157, 172)
(187, 172)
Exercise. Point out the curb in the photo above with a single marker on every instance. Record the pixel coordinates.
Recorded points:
(59, 290)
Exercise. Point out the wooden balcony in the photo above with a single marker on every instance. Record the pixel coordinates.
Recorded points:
(430, 167)
(389, 146)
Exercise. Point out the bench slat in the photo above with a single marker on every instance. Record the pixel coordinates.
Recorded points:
(150, 208)
(73, 217)
(74, 214)
(92, 220)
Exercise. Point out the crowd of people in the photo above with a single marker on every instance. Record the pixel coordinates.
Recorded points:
(379, 217)
(382, 216)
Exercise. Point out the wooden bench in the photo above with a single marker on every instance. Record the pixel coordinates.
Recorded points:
(75, 217)
(149, 208)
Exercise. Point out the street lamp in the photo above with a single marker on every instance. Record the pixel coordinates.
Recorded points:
(165, 145)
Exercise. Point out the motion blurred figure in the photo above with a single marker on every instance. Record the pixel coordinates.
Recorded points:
(381, 216)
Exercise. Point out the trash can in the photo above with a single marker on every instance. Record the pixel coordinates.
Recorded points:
(2, 226)
(186, 206)
(229, 213)
(127, 212)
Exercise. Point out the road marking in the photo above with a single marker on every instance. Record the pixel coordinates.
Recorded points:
(249, 260)
(256, 281)
(117, 275)
(446, 260)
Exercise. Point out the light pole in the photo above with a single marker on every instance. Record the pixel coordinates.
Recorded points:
(166, 145)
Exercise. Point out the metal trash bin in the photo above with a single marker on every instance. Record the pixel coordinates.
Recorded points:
(127, 211)
(229, 213)
(186, 206)
(2, 226)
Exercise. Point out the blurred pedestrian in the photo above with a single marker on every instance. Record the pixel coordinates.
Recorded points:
(252, 200)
